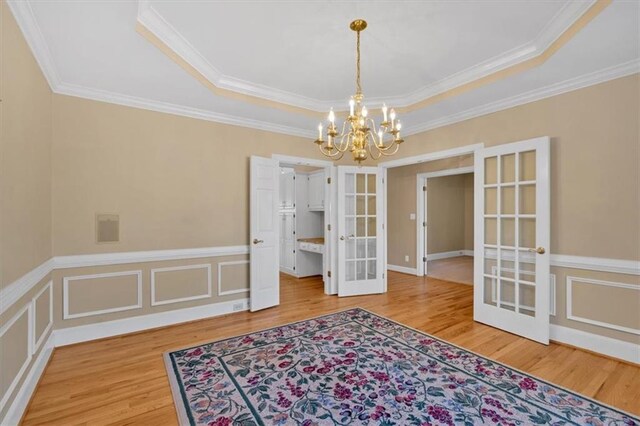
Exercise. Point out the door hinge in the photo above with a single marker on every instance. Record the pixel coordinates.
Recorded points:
(424, 259)
(424, 224)
(424, 188)
(294, 251)
(329, 274)
(329, 180)
(294, 268)
(294, 215)
(294, 232)
(329, 227)
(383, 275)
(294, 178)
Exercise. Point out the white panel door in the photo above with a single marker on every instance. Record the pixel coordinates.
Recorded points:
(264, 233)
(512, 234)
(360, 245)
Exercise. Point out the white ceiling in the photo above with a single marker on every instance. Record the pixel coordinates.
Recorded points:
(301, 53)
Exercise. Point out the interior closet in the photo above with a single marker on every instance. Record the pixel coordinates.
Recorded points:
(302, 249)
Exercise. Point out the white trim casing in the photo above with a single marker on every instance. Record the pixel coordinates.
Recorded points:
(228, 292)
(432, 156)
(594, 342)
(65, 294)
(155, 302)
(85, 333)
(37, 341)
(28, 310)
(402, 269)
(570, 316)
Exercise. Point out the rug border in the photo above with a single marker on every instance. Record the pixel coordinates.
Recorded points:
(173, 382)
(176, 392)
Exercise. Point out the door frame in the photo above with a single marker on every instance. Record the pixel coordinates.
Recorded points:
(421, 209)
(417, 159)
(330, 215)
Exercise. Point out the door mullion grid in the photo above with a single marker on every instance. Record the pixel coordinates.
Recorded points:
(498, 229)
(517, 234)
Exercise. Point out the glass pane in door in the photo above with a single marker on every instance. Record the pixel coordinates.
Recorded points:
(510, 232)
(360, 226)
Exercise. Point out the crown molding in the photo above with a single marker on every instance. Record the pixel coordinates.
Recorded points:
(157, 25)
(26, 20)
(169, 108)
(580, 82)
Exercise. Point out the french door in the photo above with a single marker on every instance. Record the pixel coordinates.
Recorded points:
(512, 233)
(264, 233)
(360, 229)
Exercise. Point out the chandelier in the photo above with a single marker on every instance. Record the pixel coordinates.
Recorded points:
(359, 133)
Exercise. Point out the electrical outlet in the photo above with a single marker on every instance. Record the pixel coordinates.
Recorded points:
(412, 216)
(406, 258)
(238, 307)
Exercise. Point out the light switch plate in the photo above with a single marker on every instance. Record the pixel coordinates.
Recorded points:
(412, 216)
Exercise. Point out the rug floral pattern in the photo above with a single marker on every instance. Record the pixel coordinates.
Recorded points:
(353, 368)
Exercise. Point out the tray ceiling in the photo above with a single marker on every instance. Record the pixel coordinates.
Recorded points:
(262, 63)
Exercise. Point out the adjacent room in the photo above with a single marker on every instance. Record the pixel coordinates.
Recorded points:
(231, 213)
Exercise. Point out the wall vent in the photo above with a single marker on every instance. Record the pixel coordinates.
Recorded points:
(107, 228)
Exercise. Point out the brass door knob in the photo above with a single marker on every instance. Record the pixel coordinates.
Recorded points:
(539, 250)
(257, 241)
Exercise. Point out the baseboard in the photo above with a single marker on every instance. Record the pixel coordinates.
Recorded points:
(25, 392)
(403, 269)
(447, 254)
(467, 252)
(85, 333)
(595, 343)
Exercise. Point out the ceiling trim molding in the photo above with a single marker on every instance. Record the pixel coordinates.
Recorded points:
(580, 82)
(157, 30)
(173, 44)
(169, 108)
(26, 20)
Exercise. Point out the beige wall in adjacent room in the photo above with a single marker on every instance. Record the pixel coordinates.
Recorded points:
(595, 171)
(401, 202)
(176, 182)
(447, 212)
(25, 156)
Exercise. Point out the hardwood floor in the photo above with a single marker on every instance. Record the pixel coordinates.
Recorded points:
(122, 380)
(455, 269)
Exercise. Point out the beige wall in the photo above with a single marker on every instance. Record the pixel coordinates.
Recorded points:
(25, 197)
(401, 202)
(25, 156)
(176, 182)
(447, 212)
(595, 173)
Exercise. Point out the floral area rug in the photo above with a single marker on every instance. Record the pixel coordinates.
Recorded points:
(357, 368)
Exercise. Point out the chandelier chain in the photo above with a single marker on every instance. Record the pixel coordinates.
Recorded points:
(358, 86)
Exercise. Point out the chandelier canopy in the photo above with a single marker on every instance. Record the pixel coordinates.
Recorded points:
(359, 134)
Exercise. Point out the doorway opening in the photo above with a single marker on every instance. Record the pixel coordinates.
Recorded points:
(445, 223)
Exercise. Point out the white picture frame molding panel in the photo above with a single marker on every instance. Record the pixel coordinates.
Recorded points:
(206, 295)
(37, 341)
(65, 294)
(230, 263)
(570, 316)
(28, 309)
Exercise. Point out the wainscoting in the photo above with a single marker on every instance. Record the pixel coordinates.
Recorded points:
(50, 306)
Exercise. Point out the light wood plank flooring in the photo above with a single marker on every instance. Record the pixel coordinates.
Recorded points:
(122, 380)
(455, 269)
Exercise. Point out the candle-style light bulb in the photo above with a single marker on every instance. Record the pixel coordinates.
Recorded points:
(320, 131)
(332, 116)
(384, 111)
(352, 105)
(380, 137)
(364, 111)
(392, 114)
(398, 125)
